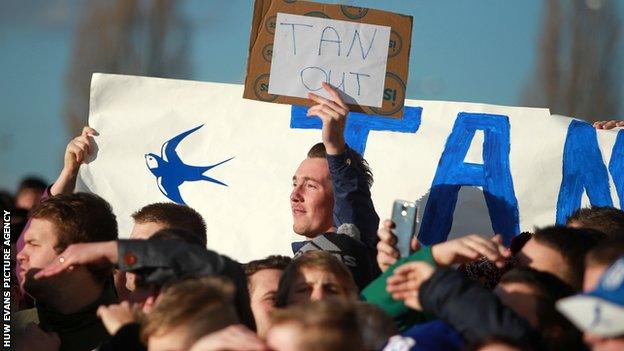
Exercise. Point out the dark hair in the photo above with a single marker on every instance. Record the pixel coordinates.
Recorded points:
(572, 244)
(79, 218)
(270, 262)
(316, 259)
(608, 220)
(544, 283)
(6, 200)
(173, 216)
(177, 234)
(376, 326)
(318, 151)
(31, 182)
(19, 219)
(556, 330)
(606, 252)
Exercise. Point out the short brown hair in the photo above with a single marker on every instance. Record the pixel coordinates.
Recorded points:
(314, 259)
(329, 325)
(202, 306)
(608, 220)
(605, 253)
(79, 218)
(319, 151)
(572, 244)
(270, 262)
(177, 234)
(173, 216)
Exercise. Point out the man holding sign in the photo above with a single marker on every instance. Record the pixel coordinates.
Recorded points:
(335, 179)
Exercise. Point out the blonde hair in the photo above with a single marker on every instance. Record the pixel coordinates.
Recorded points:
(330, 324)
(201, 305)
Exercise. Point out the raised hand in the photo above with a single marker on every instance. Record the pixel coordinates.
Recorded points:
(608, 124)
(333, 113)
(116, 316)
(470, 248)
(100, 253)
(404, 283)
(387, 253)
(75, 154)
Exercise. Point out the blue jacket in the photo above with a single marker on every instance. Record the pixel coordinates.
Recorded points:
(433, 336)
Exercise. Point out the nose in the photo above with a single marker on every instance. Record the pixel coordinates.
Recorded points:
(295, 195)
(21, 256)
(317, 293)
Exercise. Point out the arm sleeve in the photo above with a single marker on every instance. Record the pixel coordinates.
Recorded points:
(352, 196)
(472, 310)
(377, 294)
(159, 261)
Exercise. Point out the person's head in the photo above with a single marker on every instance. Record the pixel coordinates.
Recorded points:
(188, 310)
(164, 215)
(144, 294)
(350, 251)
(561, 251)
(314, 275)
(599, 259)
(325, 325)
(29, 192)
(600, 313)
(178, 234)
(154, 217)
(532, 294)
(262, 280)
(376, 326)
(60, 221)
(312, 198)
(6, 199)
(608, 220)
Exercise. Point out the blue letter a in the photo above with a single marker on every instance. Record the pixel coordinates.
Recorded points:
(493, 175)
(583, 169)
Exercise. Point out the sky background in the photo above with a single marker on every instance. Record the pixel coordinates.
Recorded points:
(462, 50)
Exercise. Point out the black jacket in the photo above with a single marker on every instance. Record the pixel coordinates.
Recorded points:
(157, 261)
(472, 310)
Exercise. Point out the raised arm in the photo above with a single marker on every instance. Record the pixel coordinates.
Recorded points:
(351, 178)
(75, 154)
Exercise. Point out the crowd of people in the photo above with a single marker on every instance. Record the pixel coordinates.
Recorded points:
(78, 287)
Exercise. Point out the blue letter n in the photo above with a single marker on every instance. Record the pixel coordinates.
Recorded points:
(583, 169)
(494, 176)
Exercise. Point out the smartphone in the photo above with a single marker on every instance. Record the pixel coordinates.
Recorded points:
(404, 218)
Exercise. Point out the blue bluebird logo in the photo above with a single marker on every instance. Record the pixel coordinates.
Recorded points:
(171, 172)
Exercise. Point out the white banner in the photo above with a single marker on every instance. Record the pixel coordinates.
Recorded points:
(476, 168)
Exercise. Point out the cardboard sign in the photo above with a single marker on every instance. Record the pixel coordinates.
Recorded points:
(355, 66)
(350, 56)
(475, 168)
